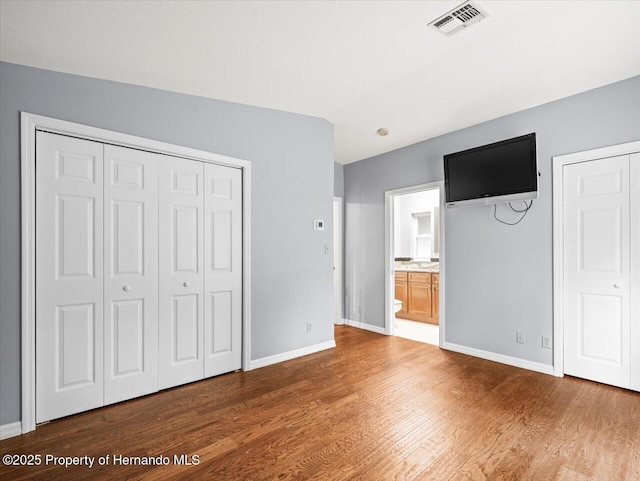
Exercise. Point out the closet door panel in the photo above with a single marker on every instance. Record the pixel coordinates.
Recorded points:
(69, 278)
(184, 328)
(181, 273)
(635, 270)
(131, 273)
(222, 269)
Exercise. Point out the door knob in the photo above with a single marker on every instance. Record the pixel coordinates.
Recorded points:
(126, 288)
(185, 284)
(617, 285)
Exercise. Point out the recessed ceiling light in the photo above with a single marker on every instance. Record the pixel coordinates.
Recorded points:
(382, 132)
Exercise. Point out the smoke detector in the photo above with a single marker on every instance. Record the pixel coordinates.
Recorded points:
(461, 17)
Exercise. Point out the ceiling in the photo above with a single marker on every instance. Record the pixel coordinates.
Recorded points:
(362, 65)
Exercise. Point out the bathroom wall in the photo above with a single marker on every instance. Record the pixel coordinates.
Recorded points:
(404, 207)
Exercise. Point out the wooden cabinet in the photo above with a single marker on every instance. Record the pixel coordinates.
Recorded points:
(401, 292)
(419, 292)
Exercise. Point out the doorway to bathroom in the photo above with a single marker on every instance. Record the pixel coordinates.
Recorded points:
(414, 260)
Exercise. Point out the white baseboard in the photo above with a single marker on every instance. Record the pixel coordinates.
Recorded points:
(501, 358)
(286, 356)
(10, 430)
(339, 323)
(368, 327)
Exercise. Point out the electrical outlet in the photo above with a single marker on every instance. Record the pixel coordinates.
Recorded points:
(520, 337)
(546, 342)
(308, 327)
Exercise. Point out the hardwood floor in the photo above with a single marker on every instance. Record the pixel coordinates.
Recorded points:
(374, 408)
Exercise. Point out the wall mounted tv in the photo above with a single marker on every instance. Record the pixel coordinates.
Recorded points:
(495, 173)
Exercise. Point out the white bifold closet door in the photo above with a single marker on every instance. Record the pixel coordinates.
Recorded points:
(200, 270)
(130, 273)
(69, 279)
(181, 272)
(222, 269)
(138, 273)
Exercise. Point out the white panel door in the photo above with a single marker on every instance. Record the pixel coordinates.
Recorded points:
(597, 270)
(634, 169)
(131, 273)
(222, 269)
(181, 279)
(69, 280)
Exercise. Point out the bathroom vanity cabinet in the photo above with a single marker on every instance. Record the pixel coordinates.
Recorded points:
(419, 293)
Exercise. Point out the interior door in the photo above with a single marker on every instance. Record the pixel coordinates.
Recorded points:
(634, 169)
(181, 278)
(596, 247)
(131, 273)
(222, 269)
(69, 280)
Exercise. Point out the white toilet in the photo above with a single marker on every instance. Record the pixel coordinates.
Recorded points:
(397, 305)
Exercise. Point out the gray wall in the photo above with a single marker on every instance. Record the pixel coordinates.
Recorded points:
(498, 278)
(293, 181)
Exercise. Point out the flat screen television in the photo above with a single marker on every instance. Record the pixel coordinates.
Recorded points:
(495, 173)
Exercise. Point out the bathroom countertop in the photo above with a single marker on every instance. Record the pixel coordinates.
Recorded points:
(418, 266)
(434, 270)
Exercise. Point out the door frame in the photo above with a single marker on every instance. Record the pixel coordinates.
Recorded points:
(30, 124)
(558, 163)
(337, 253)
(389, 261)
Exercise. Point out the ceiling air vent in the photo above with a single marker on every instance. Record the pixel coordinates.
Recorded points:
(461, 17)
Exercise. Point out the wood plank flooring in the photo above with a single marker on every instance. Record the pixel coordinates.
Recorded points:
(374, 408)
